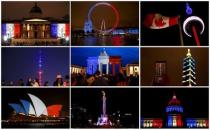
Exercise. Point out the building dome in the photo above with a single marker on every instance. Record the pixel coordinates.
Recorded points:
(36, 10)
(174, 101)
(174, 106)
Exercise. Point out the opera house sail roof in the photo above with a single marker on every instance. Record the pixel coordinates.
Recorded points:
(36, 107)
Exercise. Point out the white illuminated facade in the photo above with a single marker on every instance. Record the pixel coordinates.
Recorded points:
(29, 108)
(61, 31)
(77, 69)
(39, 106)
(132, 69)
(9, 31)
(103, 59)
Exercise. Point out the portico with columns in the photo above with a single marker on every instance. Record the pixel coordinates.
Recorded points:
(103, 59)
(115, 60)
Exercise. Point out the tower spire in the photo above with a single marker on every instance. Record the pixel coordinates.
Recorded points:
(188, 53)
(188, 70)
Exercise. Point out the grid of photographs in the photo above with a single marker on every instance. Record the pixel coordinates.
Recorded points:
(105, 64)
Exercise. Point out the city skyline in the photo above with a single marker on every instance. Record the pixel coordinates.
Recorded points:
(174, 61)
(55, 61)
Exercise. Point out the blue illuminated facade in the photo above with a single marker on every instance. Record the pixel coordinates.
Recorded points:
(88, 27)
(3, 29)
(174, 118)
(54, 31)
(174, 109)
(26, 105)
(17, 107)
(196, 123)
(121, 31)
(133, 31)
(92, 65)
(174, 113)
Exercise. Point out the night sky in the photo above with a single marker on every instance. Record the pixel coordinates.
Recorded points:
(170, 36)
(50, 96)
(174, 58)
(194, 101)
(19, 10)
(23, 63)
(128, 55)
(128, 11)
(125, 100)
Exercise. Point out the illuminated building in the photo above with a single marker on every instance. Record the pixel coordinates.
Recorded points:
(160, 78)
(18, 108)
(174, 112)
(197, 123)
(92, 63)
(36, 108)
(54, 110)
(115, 60)
(152, 123)
(174, 118)
(75, 69)
(124, 31)
(88, 27)
(132, 69)
(36, 30)
(112, 64)
(188, 70)
(103, 59)
(103, 120)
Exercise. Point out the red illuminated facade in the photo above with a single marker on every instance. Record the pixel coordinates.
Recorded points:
(17, 30)
(115, 60)
(54, 110)
(174, 118)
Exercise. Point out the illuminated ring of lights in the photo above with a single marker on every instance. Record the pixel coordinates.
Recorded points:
(188, 20)
(115, 11)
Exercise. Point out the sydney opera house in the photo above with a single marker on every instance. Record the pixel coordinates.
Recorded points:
(34, 112)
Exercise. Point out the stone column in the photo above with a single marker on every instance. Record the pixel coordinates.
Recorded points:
(100, 68)
(107, 68)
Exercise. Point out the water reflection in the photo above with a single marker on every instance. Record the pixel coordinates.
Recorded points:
(117, 40)
(34, 125)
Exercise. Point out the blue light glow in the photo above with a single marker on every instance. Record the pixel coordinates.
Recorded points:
(133, 31)
(26, 106)
(4, 29)
(17, 107)
(174, 109)
(92, 65)
(188, 9)
(170, 121)
(191, 123)
(54, 30)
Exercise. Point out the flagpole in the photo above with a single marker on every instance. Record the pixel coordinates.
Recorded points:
(180, 32)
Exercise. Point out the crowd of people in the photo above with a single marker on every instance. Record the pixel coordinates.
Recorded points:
(78, 79)
(59, 81)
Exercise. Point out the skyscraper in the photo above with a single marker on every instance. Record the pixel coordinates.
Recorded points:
(174, 112)
(160, 77)
(188, 70)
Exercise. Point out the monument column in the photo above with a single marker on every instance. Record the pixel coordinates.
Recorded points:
(107, 68)
(104, 104)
